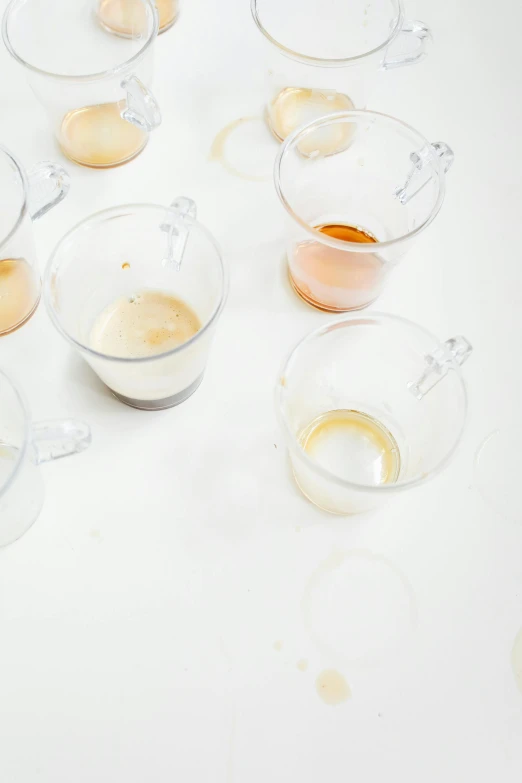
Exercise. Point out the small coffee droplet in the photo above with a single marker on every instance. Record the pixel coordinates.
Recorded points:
(332, 688)
(278, 646)
(302, 665)
(125, 265)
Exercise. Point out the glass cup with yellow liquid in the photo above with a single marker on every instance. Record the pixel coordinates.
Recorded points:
(24, 446)
(370, 405)
(93, 85)
(23, 198)
(353, 215)
(326, 57)
(118, 16)
(138, 291)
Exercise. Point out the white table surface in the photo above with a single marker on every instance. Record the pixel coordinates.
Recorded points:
(138, 616)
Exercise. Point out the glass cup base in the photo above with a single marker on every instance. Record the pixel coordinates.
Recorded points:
(163, 404)
(324, 307)
(24, 320)
(111, 165)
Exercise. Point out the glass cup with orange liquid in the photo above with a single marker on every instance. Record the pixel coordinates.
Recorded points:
(370, 405)
(24, 446)
(326, 57)
(118, 16)
(23, 198)
(138, 291)
(93, 85)
(353, 215)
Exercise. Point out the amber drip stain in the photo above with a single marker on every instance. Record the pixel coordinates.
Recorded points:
(332, 688)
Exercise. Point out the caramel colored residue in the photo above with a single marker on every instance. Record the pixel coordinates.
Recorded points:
(302, 665)
(296, 106)
(128, 17)
(19, 292)
(218, 149)
(332, 688)
(334, 279)
(99, 137)
(149, 323)
(278, 646)
(125, 266)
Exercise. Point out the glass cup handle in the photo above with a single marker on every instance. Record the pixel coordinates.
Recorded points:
(142, 108)
(411, 29)
(56, 439)
(417, 178)
(179, 219)
(49, 184)
(448, 356)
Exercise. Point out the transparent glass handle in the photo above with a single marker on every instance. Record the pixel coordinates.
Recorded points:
(142, 108)
(56, 439)
(416, 33)
(448, 356)
(49, 184)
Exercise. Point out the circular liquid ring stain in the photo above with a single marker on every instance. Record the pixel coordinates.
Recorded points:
(244, 149)
(358, 607)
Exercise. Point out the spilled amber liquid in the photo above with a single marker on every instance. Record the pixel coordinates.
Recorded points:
(354, 446)
(333, 279)
(128, 17)
(19, 293)
(295, 106)
(99, 137)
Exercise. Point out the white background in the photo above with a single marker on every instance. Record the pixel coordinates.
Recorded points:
(138, 616)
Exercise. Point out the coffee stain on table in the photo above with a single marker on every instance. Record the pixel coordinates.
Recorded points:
(332, 688)
(218, 150)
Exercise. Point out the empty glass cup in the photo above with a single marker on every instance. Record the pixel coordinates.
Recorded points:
(325, 57)
(24, 446)
(138, 290)
(352, 215)
(118, 16)
(370, 405)
(94, 86)
(23, 198)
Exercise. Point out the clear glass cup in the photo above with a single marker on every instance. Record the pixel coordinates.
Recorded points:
(118, 16)
(326, 57)
(383, 186)
(93, 85)
(370, 405)
(23, 198)
(115, 256)
(24, 446)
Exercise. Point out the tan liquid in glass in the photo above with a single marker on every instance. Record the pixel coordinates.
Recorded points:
(99, 137)
(147, 324)
(295, 106)
(353, 446)
(333, 279)
(19, 293)
(128, 17)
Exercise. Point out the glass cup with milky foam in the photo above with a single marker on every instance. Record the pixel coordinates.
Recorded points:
(95, 86)
(370, 405)
(326, 57)
(138, 291)
(352, 216)
(24, 446)
(23, 198)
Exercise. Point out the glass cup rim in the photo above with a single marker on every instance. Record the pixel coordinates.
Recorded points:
(291, 438)
(81, 77)
(25, 186)
(27, 418)
(326, 61)
(341, 244)
(108, 213)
